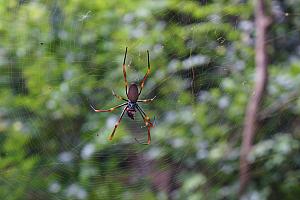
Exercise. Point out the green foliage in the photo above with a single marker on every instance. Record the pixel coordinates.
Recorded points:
(57, 57)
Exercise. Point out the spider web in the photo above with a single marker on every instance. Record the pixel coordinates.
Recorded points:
(186, 87)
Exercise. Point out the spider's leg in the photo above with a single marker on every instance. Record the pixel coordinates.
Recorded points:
(147, 122)
(118, 96)
(146, 75)
(117, 124)
(145, 117)
(109, 110)
(124, 72)
(146, 100)
(143, 113)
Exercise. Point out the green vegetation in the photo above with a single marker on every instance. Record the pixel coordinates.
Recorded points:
(57, 57)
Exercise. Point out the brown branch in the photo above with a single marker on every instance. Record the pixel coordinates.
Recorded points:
(250, 124)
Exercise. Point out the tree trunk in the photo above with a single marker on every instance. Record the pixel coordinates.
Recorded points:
(250, 124)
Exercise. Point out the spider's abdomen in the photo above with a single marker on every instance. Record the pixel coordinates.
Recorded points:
(133, 92)
(131, 109)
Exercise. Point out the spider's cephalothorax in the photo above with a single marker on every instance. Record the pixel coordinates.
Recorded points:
(131, 104)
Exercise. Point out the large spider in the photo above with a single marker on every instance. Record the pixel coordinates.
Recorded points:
(132, 102)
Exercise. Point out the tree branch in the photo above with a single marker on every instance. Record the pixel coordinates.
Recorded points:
(250, 124)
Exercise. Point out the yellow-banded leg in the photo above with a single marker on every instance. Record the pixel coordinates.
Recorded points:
(147, 122)
(146, 75)
(109, 110)
(146, 100)
(124, 72)
(117, 124)
(118, 96)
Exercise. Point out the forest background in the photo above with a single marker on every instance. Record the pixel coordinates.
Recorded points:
(58, 57)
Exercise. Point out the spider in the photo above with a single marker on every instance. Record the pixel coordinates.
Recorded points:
(131, 104)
